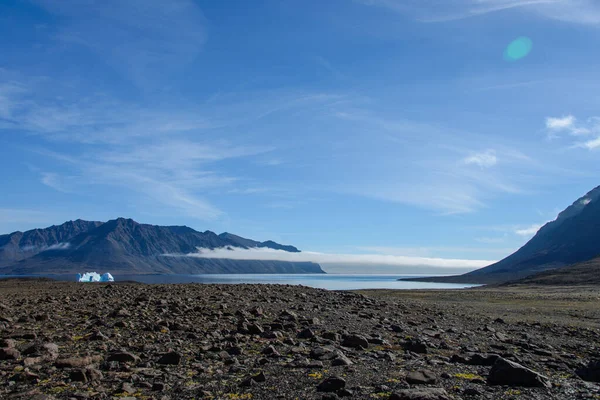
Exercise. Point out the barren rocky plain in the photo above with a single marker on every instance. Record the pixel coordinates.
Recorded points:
(62, 340)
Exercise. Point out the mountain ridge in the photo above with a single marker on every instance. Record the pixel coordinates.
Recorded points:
(124, 245)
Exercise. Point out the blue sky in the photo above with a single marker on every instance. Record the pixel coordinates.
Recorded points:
(389, 127)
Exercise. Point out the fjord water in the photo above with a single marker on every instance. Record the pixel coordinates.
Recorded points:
(321, 281)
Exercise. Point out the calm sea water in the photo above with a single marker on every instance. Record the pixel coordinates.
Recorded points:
(322, 281)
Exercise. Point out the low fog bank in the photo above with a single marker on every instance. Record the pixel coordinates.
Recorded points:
(356, 268)
(349, 263)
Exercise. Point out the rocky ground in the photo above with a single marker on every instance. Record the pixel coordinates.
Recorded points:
(64, 340)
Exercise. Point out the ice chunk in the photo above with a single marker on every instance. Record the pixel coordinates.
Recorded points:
(95, 277)
(89, 277)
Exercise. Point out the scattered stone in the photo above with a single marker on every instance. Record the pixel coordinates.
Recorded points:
(341, 360)
(420, 394)
(7, 343)
(123, 356)
(73, 362)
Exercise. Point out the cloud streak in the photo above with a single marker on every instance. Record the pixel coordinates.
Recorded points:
(325, 258)
(528, 231)
(570, 125)
(484, 159)
(171, 173)
(574, 11)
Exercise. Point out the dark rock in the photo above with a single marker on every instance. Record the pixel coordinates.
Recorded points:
(10, 343)
(355, 341)
(505, 372)
(306, 334)
(416, 346)
(420, 394)
(341, 360)
(332, 336)
(270, 351)
(93, 374)
(255, 329)
(475, 359)
(98, 336)
(127, 388)
(421, 377)
(329, 396)
(78, 375)
(8, 353)
(235, 351)
(260, 377)
(123, 356)
(248, 382)
(49, 350)
(323, 353)
(170, 358)
(332, 384)
(591, 372)
(73, 362)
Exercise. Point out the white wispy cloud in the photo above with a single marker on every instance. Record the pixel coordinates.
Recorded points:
(444, 252)
(592, 144)
(570, 125)
(171, 173)
(442, 177)
(59, 246)
(485, 159)
(574, 11)
(325, 258)
(54, 181)
(528, 231)
(560, 123)
(443, 198)
(29, 104)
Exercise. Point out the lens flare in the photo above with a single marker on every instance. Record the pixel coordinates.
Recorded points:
(518, 49)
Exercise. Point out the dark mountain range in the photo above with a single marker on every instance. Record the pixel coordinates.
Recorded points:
(573, 237)
(125, 246)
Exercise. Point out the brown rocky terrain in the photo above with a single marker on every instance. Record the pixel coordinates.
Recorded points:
(62, 340)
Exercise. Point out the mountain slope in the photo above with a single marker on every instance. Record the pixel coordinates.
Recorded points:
(585, 273)
(572, 238)
(125, 246)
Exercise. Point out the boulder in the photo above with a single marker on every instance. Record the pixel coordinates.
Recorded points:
(505, 372)
(421, 377)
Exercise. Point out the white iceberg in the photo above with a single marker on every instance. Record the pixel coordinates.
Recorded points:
(95, 277)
